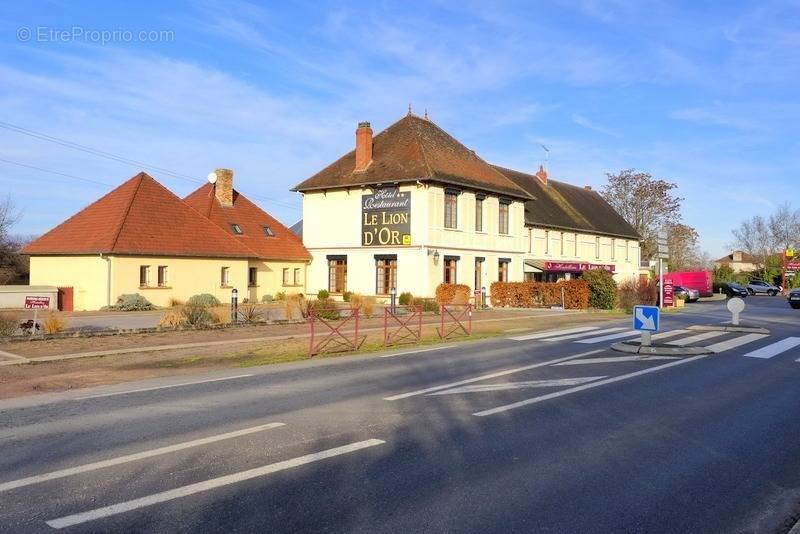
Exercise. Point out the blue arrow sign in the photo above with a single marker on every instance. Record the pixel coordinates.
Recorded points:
(645, 318)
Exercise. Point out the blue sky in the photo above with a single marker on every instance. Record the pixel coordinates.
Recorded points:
(703, 94)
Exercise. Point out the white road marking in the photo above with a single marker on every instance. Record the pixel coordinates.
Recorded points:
(13, 356)
(618, 359)
(486, 377)
(551, 333)
(583, 334)
(61, 473)
(415, 351)
(191, 489)
(669, 333)
(114, 393)
(576, 389)
(480, 388)
(695, 339)
(776, 348)
(722, 346)
(629, 333)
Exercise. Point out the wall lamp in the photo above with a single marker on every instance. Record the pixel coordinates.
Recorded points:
(435, 255)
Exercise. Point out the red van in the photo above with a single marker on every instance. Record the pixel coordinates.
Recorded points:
(699, 280)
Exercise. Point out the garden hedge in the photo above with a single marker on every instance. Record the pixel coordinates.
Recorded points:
(452, 294)
(540, 294)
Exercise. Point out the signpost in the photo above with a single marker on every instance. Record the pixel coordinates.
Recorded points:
(646, 319)
(668, 292)
(36, 304)
(735, 306)
(663, 253)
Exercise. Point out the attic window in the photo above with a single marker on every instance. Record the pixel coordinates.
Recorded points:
(268, 231)
(236, 229)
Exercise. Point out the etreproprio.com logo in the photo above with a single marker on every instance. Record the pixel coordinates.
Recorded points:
(48, 34)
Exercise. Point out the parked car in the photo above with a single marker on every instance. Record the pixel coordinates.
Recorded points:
(759, 286)
(689, 294)
(794, 298)
(732, 289)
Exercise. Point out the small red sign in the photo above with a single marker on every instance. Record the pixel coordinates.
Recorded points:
(37, 303)
(478, 293)
(793, 265)
(575, 266)
(669, 293)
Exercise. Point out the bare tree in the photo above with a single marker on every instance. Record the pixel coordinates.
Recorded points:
(754, 237)
(648, 204)
(13, 266)
(9, 216)
(784, 227)
(683, 251)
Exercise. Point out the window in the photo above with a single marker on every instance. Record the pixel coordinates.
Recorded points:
(576, 246)
(597, 247)
(225, 276)
(144, 275)
(547, 241)
(162, 276)
(478, 273)
(450, 269)
(613, 248)
(252, 276)
(337, 275)
(562, 243)
(268, 231)
(236, 229)
(385, 275)
(503, 228)
(502, 270)
(450, 209)
(297, 280)
(479, 214)
(286, 277)
(627, 252)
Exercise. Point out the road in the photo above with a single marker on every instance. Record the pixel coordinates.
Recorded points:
(544, 433)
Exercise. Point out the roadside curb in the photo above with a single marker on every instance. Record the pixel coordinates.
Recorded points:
(632, 347)
(729, 328)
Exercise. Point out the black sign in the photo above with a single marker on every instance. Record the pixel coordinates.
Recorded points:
(386, 218)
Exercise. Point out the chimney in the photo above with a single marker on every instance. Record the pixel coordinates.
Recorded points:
(737, 256)
(223, 187)
(541, 174)
(363, 146)
(587, 187)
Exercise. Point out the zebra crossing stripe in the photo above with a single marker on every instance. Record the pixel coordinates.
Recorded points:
(722, 346)
(584, 334)
(696, 338)
(629, 333)
(552, 333)
(775, 348)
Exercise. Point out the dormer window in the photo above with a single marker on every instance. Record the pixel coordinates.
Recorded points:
(268, 231)
(236, 229)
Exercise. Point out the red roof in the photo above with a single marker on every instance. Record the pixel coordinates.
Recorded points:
(283, 245)
(140, 217)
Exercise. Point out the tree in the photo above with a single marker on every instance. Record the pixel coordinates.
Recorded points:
(682, 243)
(784, 227)
(754, 237)
(13, 266)
(648, 204)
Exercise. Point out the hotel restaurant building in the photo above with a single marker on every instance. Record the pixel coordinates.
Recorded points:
(411, 207)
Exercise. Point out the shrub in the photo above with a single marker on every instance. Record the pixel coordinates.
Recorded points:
(53, 323)
(9, 323)
(406, 298)
(575, 294)
(196, 316)
(427, 305)
(220, 314)
(132, 302)
(325, 308)
(294, 304)
(366, 305)
(346, 296)
(251, 313)
(633, 292)
(452, 293)
(266, 299)
(171, 319)
(174, 303)
(602, 289)
(323, 294)
(203, 300)
(280, 295)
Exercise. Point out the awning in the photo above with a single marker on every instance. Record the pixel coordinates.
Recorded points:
(539, 266)
(533, 266)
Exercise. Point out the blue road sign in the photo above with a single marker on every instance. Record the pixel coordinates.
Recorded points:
(645, 318)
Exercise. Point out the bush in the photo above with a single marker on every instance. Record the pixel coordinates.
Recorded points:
(171, 319)
(633, 292)
(251, 313)
(203, 300)
(220, 314)
(280, 295)
(266, 299)
(541, 294)
(131, 302)
(452, 294)
(325, 308)
(323, 294)
(406, 298)
(602, 289)
(427, 305)
(346, 296)
(197, 316)
(9, 323)
(53, 323)
(366, 305)
(175, 303)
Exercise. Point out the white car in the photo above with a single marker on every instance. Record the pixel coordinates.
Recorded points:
(759, 286)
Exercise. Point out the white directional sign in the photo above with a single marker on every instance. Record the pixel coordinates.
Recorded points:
(645, 318)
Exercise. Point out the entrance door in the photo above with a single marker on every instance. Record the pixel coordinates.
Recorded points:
(478, 274)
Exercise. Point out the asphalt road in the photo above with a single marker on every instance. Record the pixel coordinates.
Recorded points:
(545, 434)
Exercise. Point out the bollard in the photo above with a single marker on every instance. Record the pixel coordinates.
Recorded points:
(393, 293)
(234, 305)
(483, 297)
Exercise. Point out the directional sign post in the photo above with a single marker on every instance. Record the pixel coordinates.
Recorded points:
(646, 319)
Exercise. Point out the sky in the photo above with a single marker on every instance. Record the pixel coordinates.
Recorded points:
(702, 94)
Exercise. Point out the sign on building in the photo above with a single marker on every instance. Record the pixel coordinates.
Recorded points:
(386, 218)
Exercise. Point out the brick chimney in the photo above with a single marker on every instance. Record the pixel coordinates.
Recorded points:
(363, 146)
(223, 187)
(541, 174)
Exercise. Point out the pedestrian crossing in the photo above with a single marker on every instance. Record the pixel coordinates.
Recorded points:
(716, 341)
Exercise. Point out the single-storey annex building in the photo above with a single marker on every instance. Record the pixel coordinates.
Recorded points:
(412, 207)
(142, 238)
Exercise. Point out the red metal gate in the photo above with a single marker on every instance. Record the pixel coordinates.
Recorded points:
(328, 330)
(454, 317)
(65, 299)
(402, 326)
